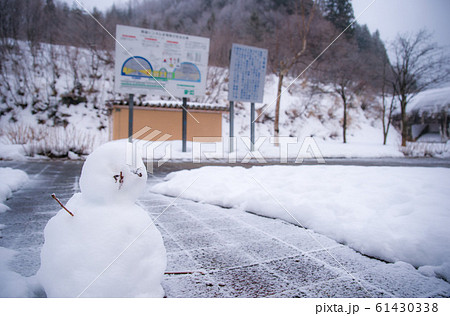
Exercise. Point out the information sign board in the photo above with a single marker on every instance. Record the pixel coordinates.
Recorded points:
(160, 63)
(247, 73)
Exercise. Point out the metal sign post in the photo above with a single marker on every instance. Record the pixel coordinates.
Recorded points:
(184, 127)
(246, 82)
(231, 126)
(130, 117)
(252, 126)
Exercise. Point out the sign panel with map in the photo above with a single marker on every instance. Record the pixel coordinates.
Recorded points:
(160, 63)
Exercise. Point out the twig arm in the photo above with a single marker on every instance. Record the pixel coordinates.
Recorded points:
(56, 199)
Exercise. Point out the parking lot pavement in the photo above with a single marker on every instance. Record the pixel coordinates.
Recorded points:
(217, 252)
(32, 207)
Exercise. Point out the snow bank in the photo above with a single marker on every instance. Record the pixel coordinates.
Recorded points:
(110, 247)
(11, 180)
(392, 213)
(12, 283)
(12, 152)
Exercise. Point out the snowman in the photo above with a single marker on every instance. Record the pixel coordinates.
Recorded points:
(110, 247)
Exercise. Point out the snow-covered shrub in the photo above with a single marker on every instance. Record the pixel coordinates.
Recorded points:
(59, 141)
(420, 149)
(20, 134)
(334, 135)
(53, 141)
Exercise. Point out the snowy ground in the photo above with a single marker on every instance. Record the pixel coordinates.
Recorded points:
(12, 180)
(395, 214)
(231, 253)
(238, 254)
(291, 148)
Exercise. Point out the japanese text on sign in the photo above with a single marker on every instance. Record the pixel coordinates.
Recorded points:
(247, 73)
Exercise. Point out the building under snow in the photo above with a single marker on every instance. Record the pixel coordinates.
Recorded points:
(428, 116)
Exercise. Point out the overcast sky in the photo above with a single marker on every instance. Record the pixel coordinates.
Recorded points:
(100, 4)
(390, 17)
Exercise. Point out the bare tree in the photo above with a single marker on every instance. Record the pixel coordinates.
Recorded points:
(293, 36)
(386, 91)
(419, 65)
(345, 71)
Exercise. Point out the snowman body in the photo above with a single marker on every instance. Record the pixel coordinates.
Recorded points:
(110, 247)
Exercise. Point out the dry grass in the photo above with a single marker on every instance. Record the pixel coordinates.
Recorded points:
(55, 142)
(22, 134)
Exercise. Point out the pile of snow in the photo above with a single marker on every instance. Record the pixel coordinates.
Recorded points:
(12, 180)
(392, 213)
(12, 152)
(110, 247)
(12, 283)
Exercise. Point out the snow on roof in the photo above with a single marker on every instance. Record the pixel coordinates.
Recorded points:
(431, 101)
(175, 105)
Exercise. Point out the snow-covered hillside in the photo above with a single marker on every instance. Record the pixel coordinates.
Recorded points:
(55, 85)
(53, 99)
(68, 88)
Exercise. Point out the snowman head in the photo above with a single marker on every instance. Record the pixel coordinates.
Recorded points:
(107, 178)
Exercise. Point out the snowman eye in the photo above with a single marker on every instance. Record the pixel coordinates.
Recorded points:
(137, 172)
(118, 177)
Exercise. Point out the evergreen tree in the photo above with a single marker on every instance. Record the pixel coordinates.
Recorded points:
(51, 26)
(363, 38)
(255, 27)
(340, 13)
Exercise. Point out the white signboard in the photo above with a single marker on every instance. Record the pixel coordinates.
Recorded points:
(247, 73)
(160, 63)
